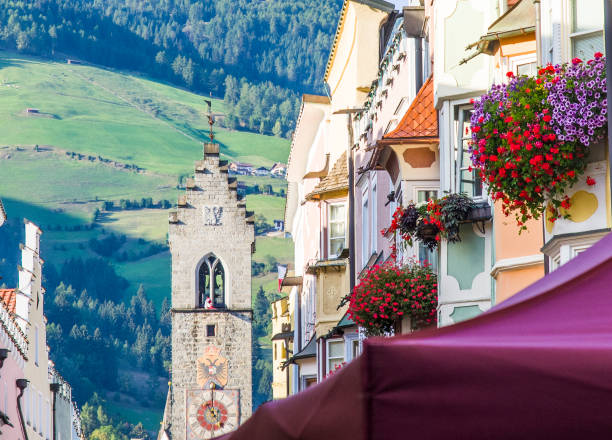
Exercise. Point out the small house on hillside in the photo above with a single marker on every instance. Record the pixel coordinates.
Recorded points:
(69, 61)
(278, 169)
(261, 171)
(279, 225)
(244, 169)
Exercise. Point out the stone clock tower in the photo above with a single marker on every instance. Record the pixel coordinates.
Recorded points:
(211, 240)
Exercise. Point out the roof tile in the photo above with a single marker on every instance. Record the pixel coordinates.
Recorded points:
(337, 179)
(421, 118)
(9, 297)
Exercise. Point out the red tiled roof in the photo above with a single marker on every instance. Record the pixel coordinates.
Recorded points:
(420, 120)
(9, 297)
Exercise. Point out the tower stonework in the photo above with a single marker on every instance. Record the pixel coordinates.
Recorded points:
(211, 241)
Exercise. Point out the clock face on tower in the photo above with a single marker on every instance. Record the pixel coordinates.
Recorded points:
(211, 413)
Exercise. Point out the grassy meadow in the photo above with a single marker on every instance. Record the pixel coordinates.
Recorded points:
(126, 118)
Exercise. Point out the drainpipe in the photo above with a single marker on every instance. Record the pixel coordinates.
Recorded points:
(21, 384)
(538, 26)
(418, 63)
(351, 183)
(608, 42)
(287, 369)
(55, 387)
(298, 326)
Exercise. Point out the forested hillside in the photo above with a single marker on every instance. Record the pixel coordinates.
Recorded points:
(260, 55)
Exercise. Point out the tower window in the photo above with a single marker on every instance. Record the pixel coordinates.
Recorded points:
(210, 330)
(211, 283)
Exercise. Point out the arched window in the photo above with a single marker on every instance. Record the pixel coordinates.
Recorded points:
(211, 288)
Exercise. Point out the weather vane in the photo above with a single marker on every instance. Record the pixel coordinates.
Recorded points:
(211, 120)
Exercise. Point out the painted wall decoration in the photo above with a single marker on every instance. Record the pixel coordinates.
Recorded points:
(212, 368)
(212, 215)
(211, 413)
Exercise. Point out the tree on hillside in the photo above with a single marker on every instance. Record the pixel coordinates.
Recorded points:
(107, 432)
(279, 49)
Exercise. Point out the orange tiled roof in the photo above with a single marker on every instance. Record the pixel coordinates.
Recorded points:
(336, 180)
(421, 119)
(9, 297)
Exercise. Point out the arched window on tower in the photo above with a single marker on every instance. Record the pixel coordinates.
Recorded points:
(211, 290)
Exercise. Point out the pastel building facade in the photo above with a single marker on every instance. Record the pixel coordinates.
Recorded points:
(38, 404)
(395, 129)
(13, 351)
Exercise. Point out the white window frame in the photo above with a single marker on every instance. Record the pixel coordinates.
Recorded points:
(350, 339)
(519, 60)
(570, 27)
(365, 230)
(455, 149)
(374, 220)
(36, 348)
(28, 398)
(304, 378)
(310, 311)
(48, 412)
(417, 189)
(329, 223)
(328, 358)
(40, 412)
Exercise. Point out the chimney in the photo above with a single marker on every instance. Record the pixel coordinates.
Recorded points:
(30, 274)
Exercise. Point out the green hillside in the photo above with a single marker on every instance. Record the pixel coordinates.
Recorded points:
(99, 136)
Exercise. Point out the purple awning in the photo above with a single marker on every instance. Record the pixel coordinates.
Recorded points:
(538, 365)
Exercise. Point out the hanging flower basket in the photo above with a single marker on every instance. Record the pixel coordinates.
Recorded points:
(435, 220)
(531, 137)
(387, 293)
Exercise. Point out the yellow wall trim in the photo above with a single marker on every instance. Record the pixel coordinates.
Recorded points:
(348, 59)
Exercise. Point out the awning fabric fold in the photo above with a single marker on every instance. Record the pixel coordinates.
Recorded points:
(538, 365)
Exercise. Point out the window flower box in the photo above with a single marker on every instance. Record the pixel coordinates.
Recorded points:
(532, 137)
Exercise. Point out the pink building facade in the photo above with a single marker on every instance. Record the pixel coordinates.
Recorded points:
(13, 355)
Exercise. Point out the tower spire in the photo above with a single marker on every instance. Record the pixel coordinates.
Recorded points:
(211, 120)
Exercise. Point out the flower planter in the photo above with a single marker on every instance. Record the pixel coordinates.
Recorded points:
(439, 219)
(390, 299)
(428, 231)
(533, 138)
(480, 213)
(403, 325)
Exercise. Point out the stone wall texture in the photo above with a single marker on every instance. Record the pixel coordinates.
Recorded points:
(210, 219)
